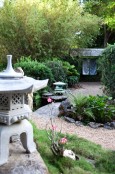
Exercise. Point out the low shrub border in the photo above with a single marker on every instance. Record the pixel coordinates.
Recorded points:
(97, 109)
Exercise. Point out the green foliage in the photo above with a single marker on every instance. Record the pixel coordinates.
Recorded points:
(2, 67)
(82, 111)
(86, 150)
(95, 7)
(44, 28)
(54, 70)
(57, 70)
(88, 33)
(72, 73)
(63, 71)
(99, 7)
(110, 17)
(105, 9)
(77, 170)
(70, 69)
(107, 67)
(34, 69)
(72, 81)
(100, 109)
(36, 100)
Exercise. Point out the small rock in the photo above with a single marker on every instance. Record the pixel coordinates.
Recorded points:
(95, 125)
(65, 105)
(78, 123)
(108, 126)
(66, 109)
(112, 124)
(71, 120)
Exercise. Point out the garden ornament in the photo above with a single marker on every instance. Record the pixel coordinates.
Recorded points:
(14, 108)
(59, 88)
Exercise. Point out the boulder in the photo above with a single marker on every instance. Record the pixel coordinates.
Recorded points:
(66, 109)
(19, 162)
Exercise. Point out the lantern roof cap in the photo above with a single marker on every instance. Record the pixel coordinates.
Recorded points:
(12, 81)
(59, 83)
(9, 71)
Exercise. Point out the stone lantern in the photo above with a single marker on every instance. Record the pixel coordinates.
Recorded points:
(59, 88)
(14, 109)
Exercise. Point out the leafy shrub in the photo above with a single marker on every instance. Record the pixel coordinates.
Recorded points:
(57, 69)
(72, 80)
(34, 69)
(44, 28)
(38, 71)
(107, 67)
(82, 111)
(100, 109)
(63, 71)
(36, 100)
(2, 66)
(72, 73)
(70, 69)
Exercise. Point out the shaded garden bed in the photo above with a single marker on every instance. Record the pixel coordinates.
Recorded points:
(95, 111)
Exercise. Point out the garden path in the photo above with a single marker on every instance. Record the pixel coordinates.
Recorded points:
(101, 136)
(88, 88)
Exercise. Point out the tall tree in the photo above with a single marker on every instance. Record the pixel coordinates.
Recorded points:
(44, 28)
(105, 9)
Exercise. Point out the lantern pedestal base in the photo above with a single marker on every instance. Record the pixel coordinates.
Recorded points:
(23, 129)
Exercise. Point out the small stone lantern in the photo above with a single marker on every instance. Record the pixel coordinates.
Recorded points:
(14, 109)
(59, 88)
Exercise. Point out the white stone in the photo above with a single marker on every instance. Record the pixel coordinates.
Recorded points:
(69, 153)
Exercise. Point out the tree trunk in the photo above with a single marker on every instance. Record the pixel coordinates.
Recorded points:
(107, 34)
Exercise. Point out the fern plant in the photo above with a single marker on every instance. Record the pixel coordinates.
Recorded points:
(80, 103)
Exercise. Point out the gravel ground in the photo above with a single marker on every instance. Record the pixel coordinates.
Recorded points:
(88, 88)
(101, 136)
